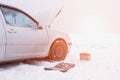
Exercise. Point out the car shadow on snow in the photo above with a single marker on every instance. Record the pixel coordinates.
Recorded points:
(10, 65)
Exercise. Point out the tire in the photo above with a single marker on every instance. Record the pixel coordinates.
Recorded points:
(58, 51)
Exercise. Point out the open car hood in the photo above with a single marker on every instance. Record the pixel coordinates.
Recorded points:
(44, 11)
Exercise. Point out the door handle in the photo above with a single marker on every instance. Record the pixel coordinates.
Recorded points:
(11, 31)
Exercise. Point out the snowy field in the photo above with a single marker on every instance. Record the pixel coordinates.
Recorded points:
(103, 65)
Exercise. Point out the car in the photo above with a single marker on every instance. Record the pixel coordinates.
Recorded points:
(22, 36)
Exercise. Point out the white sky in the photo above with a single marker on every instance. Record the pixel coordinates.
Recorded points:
(90, 16)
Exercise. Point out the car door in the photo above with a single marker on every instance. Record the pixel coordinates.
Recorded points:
(24, 39)
(2, 38)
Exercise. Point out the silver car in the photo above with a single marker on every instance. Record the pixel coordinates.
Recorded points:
(23, 37)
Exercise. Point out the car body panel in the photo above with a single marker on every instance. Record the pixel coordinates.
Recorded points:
(2, 39)
(25, 42)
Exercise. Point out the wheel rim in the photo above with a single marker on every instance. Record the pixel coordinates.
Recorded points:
(58, 52)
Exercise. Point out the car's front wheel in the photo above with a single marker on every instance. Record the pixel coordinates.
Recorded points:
(58, 50)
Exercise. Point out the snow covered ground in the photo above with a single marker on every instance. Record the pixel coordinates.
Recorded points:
(104, 63)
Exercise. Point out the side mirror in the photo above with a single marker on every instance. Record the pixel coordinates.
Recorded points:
(40, 27)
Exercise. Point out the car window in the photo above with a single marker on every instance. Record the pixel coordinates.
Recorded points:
(17, 18)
